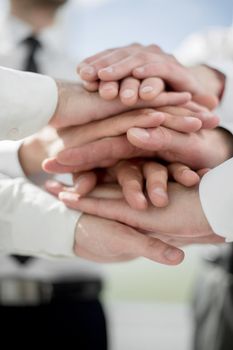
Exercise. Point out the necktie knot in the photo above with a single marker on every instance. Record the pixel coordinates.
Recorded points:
(32, 43)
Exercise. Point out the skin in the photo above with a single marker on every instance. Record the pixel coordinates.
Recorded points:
(39, 14)
(76, 106)
(198, 152)
(95, 238)
(145, 64)
(182, 221)
(107, 151)
(107, 241)
(102, 240)
(132, 176)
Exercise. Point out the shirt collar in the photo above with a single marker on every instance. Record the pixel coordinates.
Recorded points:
(14, 31)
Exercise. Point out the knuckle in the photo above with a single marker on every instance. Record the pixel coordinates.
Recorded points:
(135, 45)
(164, 138)
(142, 56)
(154, 246)
(154, 48)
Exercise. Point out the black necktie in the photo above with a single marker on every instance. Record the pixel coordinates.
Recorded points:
(32, 44)
(30, 65)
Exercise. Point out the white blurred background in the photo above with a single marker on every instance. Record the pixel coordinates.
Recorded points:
(148, 304)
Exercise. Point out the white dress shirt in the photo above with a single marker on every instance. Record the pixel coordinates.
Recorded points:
(32, 222)
(52, 60)
(215, 48)
(27, 103)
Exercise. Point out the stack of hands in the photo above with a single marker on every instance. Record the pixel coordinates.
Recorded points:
(137, 137)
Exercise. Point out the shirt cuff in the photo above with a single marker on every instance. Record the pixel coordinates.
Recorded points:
(225, 110)
(27, 101)
(216, 195)
(9, 158)
(33, 222)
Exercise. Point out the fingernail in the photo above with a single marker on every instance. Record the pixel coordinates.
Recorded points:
(172, 254)
(206, 115)
(52, 184)
(128, 93)
(107, 70)
(140, 70)
(68, 196)
(88, 70)
(79, 181)
(190, 119)
(108, 87)
(142, 198)
(140, 133)
(147, 89)
(159, 191)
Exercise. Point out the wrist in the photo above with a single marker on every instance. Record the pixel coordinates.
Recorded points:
(212, 80)
(31, 156)
(226, 140)
(70, 101)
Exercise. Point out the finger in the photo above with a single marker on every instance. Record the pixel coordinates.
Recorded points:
(94, 57)
(99, 153)
(89, 70)
(129, 91)
(150, 88)
(123, 68)
(109, 127)
(183, 174)
(55, 187)
(108, 90)
(51, 166)
(208, 119)
(144, 245)
(84, 182)
(130, 178)
(202, 172)
(171, 72)
(156, 139)
(91, 86)
(194, 107)
(186, 124)
(158, 251)
(156, 183)
(170, 99)
(101, 150)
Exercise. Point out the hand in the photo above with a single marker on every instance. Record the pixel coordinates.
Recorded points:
(76, 106)
(132, 176)
(107, 241)
(182, 218)
(162, 142)
(49, 142)
(204, 83)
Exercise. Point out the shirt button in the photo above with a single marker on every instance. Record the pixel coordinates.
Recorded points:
(13, 134)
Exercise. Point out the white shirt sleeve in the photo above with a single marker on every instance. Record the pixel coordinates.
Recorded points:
(27, 102)
(216, 194)
(32, 222)
(225, 108)
(214, 48)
